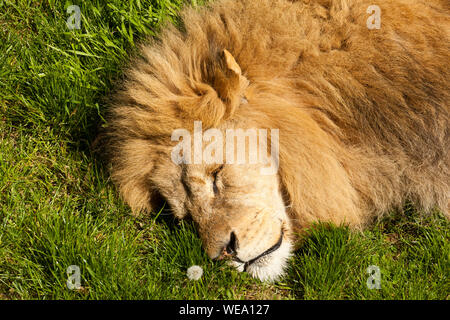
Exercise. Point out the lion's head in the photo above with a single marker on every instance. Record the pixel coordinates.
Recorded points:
(208, 74)
(232, 194)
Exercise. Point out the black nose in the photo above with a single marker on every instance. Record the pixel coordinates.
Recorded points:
(232, 245)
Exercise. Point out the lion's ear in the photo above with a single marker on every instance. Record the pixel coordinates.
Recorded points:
(219, 92)
(229, 82)
(231, 62)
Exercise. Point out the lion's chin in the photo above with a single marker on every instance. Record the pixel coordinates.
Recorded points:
(268, 268)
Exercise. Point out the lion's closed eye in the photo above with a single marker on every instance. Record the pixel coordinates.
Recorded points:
(215, 179)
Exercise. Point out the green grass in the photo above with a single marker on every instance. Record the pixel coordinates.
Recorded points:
(58, 207)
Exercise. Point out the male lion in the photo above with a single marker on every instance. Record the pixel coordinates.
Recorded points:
(357, 89)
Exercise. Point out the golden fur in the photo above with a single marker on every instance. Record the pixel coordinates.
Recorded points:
(363, 113)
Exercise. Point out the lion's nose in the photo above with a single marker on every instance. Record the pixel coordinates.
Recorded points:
(232, 245)
(230, 250)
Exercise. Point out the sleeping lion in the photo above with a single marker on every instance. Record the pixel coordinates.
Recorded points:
(348, 100)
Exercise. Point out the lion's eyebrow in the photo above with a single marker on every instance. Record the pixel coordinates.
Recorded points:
(215, 170)
(197, 179)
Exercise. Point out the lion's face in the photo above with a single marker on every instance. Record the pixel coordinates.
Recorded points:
(237, 206)
(239, 212)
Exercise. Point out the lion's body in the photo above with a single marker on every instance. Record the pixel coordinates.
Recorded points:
(363, 113)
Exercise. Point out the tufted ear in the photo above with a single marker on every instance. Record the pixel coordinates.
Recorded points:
(228, 82)
(231, 63)
(219, 89)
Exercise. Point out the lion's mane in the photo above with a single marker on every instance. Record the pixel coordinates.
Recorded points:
(363, 113)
